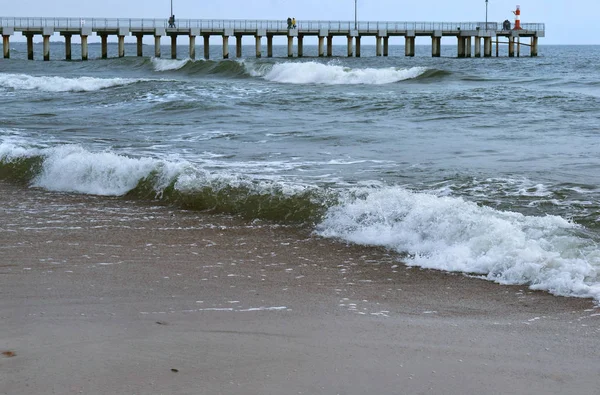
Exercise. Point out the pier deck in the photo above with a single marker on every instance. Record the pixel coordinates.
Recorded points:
(465, 33)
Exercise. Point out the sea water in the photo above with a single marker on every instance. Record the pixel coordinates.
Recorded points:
(483, 166)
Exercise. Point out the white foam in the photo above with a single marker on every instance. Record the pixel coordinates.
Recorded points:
(448, 233)
(169, 64)
(331, 74)
(70, 168)
(60, 84)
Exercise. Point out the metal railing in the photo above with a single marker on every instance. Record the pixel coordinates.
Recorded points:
(271, 25)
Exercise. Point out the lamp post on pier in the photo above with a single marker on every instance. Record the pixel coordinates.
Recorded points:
(486, 2)
(355, 14)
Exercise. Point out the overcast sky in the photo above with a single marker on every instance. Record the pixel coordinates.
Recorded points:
(567, 22)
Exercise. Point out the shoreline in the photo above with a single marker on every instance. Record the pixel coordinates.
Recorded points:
(104, 295)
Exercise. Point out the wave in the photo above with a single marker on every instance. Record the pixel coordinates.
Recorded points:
(226, 68)
(330, 74)
(437, 232)
(71, 168)
(447, 233)
(61, 84)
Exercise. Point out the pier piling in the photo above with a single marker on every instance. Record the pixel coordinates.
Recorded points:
(6, 46)
(206, 38)
(173, 46)
(192, 47)
(238, 45)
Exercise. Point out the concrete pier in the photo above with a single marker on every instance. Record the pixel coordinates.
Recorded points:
(46, 47)
(206, 46)
(269, 45)
(173, 46)
(258, 46)
(157, 53)
(436, 46)
(386, 46)
(290, 46)
(140, 44)
(300, 45)
(84, 48)
(382, 32)
(409, 44)
(29, 46)
(121, 46)
(225, 47)
(192, 47)
(487, 47)
(104, 46)
(6, 46)
(238, 45)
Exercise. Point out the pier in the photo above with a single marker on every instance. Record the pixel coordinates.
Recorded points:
(465, 33)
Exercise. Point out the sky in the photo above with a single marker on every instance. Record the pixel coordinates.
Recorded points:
(567, 22)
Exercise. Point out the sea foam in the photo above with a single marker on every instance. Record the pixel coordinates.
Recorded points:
(448, 233)
(60, 84)
(169, 64)
(330, 74)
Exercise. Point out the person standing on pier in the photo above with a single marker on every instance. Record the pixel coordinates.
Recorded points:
(293, 23)
(172, 21)
(289, 22)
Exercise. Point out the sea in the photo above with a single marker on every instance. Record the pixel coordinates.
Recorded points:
(483, 166)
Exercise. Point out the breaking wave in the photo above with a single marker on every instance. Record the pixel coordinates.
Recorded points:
(329, 74)
(60, 84)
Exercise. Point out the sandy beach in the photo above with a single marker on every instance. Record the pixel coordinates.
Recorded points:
(109, 296)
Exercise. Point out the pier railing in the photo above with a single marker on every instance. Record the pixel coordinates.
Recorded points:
(272, 25)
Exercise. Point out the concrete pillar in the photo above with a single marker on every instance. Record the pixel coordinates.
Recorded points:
(6, 46)
(290, 46)
(330, 46)
(258, 47)
(140, 44)
(121, 46)
(350, 47)
(511, 47)
(206, 46)
(238, 45)
(104, 45)
(192, 47)
(321, 50)
(386, 46)
(534, 46)
(468, 48)
(270, 46)
(29, 46)
(358, 46)
(518, 47)
(461, 47)
(174, 46)
(225, 47)
(377, 46)
(84, 47)
(68, 54)
(487, 47)
(46, 48)
(497, 47)
(436, 47)
(409, 46)
(477, 47)
(300, 45)
(157, 46)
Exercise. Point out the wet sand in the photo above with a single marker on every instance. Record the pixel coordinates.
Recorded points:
(108, 296)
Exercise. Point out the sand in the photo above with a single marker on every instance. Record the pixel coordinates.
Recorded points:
(109, 296)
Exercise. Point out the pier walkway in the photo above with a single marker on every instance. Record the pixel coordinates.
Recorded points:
(465, 33)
